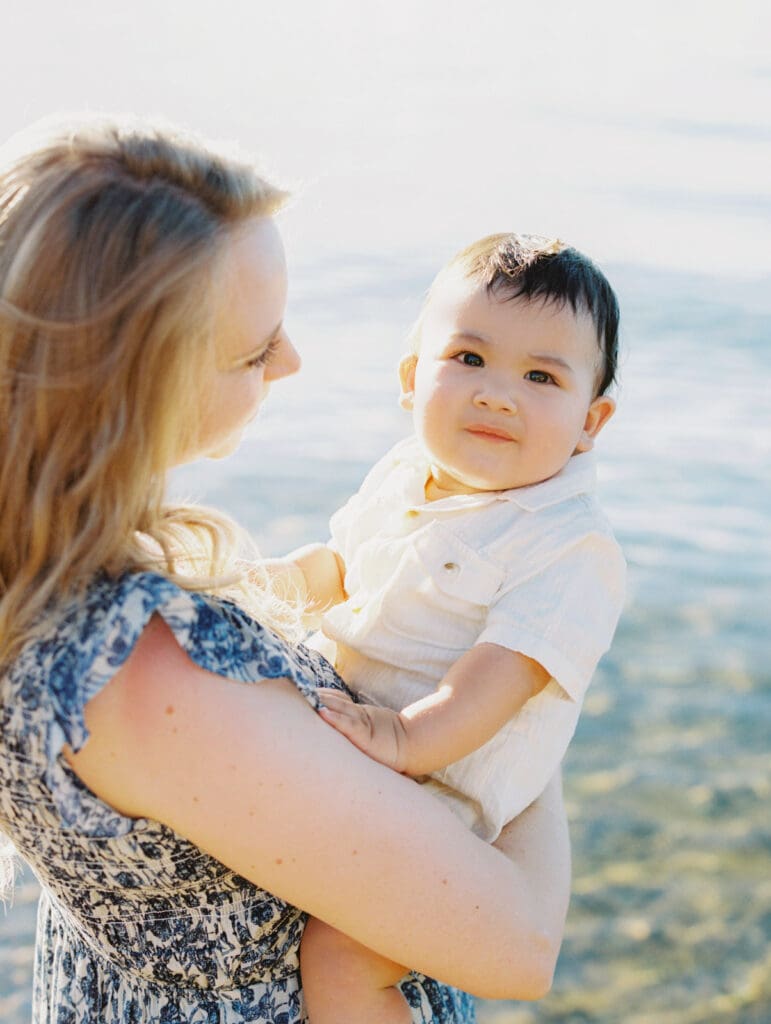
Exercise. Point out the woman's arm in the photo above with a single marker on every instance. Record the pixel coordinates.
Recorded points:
(254, 777)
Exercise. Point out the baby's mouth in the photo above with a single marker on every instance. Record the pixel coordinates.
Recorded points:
(489, 433)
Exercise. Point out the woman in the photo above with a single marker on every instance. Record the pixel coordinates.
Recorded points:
(176, 813)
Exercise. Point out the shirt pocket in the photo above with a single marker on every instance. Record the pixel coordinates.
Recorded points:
(441, 591)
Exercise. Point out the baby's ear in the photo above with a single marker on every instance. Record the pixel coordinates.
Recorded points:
(600, 411)
(407, 379)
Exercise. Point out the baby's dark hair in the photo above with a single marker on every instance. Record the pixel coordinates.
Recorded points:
(534, 267)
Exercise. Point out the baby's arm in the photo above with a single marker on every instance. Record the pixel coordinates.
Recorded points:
(485, 687)
(311, 576)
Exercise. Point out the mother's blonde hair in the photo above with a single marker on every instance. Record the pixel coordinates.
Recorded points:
(110, 242)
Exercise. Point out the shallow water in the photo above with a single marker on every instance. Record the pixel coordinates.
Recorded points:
(667, 779)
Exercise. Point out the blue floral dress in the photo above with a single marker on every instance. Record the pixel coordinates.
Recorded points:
(137, 925)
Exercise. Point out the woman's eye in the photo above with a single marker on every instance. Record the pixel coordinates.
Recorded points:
(539, 377)
(470, 359)
(265, 356)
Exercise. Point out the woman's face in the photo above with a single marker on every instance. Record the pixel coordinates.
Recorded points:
(252, 347)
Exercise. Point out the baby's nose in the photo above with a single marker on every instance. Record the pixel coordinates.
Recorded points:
(497, 401)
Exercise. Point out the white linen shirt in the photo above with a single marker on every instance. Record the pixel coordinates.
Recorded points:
(534, 569)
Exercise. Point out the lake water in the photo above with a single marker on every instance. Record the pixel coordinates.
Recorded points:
(646, 142)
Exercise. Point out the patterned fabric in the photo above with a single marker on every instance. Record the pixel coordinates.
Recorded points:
(136, 924)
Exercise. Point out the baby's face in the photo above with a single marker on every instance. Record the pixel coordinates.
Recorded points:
(502, 390)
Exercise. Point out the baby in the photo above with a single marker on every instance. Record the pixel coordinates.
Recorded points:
(472, 584)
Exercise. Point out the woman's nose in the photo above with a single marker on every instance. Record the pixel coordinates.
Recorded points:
(285, 362)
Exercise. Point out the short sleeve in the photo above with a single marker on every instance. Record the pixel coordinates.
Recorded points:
(565, 615)
(96, 637)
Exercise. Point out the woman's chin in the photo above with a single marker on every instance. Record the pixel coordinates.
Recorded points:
(214, 450)
(222, 451)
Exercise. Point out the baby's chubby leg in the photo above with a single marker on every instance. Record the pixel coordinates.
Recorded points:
(346, 983)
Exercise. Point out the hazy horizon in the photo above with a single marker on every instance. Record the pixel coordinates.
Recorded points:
(639, 134)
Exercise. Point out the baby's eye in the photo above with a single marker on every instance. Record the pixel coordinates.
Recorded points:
(539, 377)
(470, 359)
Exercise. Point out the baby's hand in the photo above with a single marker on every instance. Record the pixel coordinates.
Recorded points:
(379, 732)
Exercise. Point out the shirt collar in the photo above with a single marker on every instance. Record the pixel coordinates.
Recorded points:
(578, 476)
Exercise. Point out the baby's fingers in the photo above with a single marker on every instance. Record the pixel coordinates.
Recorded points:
(342, 708)
(334, 699)
(346, 717)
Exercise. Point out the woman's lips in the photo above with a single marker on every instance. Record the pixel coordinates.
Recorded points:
(489, 433)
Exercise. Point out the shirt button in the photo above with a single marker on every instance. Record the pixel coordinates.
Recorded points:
(452, 568)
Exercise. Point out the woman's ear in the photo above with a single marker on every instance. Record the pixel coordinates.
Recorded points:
(600, 411)
(407, 379)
